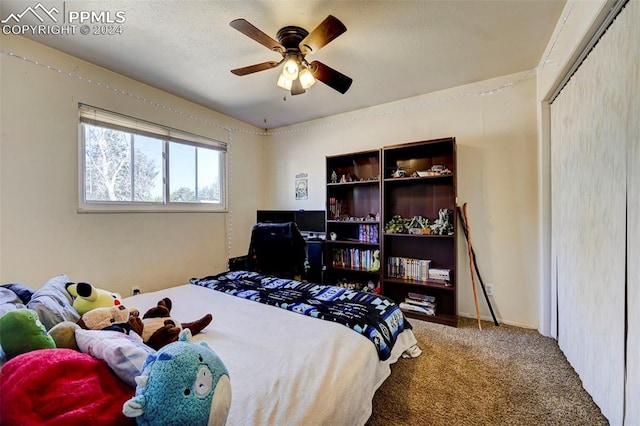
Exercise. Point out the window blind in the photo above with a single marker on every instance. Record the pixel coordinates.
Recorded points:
(113, 120)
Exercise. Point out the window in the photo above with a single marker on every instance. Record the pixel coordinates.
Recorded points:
(133, 165)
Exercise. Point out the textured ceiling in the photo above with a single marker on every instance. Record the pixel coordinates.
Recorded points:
(392, 49)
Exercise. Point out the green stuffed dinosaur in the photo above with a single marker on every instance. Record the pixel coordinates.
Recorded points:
(21, 331)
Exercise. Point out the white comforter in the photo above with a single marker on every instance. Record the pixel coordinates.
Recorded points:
(285, 368)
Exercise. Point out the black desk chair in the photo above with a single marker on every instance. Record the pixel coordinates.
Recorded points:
(275, 249)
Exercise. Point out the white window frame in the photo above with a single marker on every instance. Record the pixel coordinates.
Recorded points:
(100, 117)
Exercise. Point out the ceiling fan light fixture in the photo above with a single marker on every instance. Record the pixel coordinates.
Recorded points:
(294, 43)
(291, 68)
(306, 78)
(284, 82)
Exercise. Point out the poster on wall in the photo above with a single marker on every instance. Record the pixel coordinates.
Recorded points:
(302, 186)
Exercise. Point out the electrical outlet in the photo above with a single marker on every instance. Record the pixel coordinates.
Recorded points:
(489, 289)
(135, 290)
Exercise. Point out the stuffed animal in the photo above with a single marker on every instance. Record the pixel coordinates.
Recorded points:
(21, 331)
(87, 297)
(64, 334)
(113, 318)
(183, 383)
(158, 328)
(375, 265)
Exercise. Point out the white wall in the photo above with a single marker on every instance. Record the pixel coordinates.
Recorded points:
(496, 137)
(42, 235)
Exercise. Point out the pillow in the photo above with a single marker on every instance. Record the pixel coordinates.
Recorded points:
(9, 301)
(124, 353)
(22, 291)
(53, 303)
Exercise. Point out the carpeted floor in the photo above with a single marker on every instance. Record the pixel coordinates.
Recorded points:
(498, 376)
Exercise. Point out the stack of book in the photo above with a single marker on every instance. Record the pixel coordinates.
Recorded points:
(420, 303)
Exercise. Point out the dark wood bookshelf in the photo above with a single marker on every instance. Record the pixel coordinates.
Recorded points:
(408, 196)
(353, 202)
(365, 193)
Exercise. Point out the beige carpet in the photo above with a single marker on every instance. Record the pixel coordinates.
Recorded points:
(498, 376)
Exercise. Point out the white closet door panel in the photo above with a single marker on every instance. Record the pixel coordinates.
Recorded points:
(632, 24)
(633, 282)
(590, 131)
(589, 205)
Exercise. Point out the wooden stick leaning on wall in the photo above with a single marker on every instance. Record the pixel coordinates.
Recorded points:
(475, 265)
(470, 250)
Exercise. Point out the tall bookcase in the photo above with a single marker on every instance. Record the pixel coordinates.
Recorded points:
(407, 185)
(353, 231)
(418, 182)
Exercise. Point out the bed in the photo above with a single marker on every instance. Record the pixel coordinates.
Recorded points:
(285, 368)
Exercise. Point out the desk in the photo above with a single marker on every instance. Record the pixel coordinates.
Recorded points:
(315, 256)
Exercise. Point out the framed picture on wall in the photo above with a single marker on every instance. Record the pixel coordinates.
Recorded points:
(302, 186)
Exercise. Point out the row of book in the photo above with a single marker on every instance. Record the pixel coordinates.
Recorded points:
(354, 258)
(408, 268)
(421, 303)
(368, 233)
(337, 208)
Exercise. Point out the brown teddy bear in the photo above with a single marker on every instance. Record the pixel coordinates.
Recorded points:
(158, 329)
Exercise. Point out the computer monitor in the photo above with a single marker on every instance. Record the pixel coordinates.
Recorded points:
(310, 221)
(275, 216)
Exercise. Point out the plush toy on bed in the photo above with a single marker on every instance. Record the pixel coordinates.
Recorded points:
(21, 331)
(158, 328)
(87, 297)
(183, 383)
(115, 318)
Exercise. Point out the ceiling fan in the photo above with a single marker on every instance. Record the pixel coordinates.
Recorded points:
(294, 44)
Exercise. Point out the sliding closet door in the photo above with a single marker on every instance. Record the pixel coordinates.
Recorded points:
(633, 256)
(592, 137)
(633, 226)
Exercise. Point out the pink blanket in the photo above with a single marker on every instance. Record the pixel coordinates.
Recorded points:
(61, 387)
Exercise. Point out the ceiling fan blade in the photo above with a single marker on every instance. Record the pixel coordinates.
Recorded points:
(328, 29)
(332, 78)
(296, 87)
(253, 32)
(255, 68)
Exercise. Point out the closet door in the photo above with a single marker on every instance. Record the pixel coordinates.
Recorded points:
(595, 256)
(632, 415)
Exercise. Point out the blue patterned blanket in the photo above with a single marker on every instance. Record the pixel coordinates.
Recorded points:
(376, 317)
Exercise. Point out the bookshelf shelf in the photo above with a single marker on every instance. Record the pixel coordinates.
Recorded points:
(351, 243)
(426, 284)
(444, 319)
